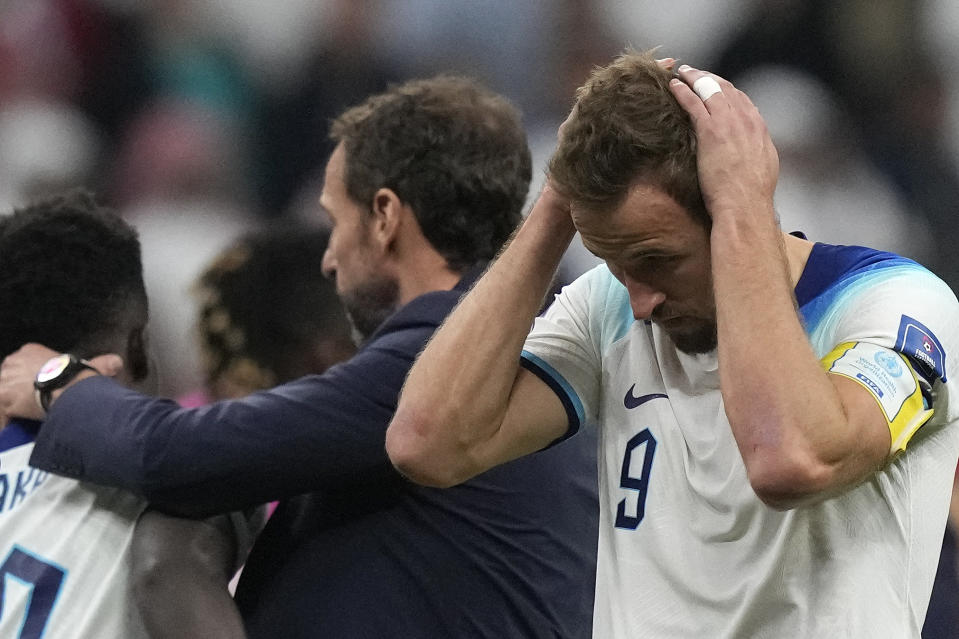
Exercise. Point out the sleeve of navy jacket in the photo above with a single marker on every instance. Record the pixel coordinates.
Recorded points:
(308, 434)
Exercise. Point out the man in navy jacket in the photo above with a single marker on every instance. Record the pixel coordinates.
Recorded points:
(425, 184)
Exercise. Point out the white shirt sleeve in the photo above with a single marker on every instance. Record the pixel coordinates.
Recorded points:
(566, 344)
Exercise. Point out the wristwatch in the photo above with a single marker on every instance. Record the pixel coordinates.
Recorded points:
(57, 373)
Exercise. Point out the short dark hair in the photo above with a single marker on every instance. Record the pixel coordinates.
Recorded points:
(266, 310)
(625, 127)
(453, 150)
(70, 277)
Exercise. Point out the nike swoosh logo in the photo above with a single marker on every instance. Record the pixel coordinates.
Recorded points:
(631, 401)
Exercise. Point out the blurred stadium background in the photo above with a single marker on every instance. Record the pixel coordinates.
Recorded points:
(202, 119)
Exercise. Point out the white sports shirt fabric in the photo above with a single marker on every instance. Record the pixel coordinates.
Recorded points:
(686, 549)
(64, 552)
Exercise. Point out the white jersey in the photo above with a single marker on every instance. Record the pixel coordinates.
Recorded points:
(686, 549)
(64, 552)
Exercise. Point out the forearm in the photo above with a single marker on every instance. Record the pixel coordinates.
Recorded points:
(801, 434)
(456, 395)
(785, 413)
(299, 437)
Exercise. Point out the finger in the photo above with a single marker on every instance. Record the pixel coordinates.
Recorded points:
(31, 356)
(690, 102)
(109, 364)
(711, 89)
(666, 63)
(562, 127)
(706, 87)
(32, 349)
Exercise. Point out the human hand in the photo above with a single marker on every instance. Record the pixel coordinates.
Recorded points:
(666, 63)
(737, 162)
(19, 370)
(553, 199)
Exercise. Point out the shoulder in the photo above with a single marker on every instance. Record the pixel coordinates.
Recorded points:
(886, 299)
(599, 302)
(423, 313)
(18, 433)
(836, 272)
(597, 285)
(852, 280)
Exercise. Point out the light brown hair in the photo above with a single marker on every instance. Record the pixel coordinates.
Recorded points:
(627, 127)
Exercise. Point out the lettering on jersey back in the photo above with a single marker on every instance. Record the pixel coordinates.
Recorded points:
(16, 487)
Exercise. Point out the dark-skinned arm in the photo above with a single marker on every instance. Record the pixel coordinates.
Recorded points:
(180, 572)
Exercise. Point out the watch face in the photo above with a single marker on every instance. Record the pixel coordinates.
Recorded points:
(53, 368)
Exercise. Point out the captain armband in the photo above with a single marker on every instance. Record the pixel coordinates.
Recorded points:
(891, 380)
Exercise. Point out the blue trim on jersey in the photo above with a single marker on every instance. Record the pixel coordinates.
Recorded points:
(17, 433)
(833, 273)
(618, 317)
(828, 263)
(625, 315)
(570, 400)
(52, 577)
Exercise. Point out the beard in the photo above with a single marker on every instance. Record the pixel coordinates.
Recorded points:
(692, 336)
(368, 305)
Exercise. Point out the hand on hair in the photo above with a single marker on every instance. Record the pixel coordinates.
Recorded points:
(666, 63)
(737, 162)
(552, 195)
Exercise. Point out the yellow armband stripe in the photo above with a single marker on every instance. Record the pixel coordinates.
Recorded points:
(890, 379)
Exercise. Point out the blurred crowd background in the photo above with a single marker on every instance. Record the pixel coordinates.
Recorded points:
(201, 120)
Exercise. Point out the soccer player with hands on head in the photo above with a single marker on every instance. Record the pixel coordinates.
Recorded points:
(774, 418)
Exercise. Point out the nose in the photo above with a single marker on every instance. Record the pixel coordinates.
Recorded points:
(328, 265)
(643, 298)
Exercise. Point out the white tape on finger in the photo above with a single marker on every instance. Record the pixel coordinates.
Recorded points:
(706, 87)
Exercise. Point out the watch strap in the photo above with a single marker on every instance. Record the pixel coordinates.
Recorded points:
(71, 367)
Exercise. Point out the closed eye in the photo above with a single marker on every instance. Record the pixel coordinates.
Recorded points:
(646, 261)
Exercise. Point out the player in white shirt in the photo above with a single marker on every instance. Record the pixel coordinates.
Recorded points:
(64, 551)
(676, 507)
(70, 275)
(777, 440)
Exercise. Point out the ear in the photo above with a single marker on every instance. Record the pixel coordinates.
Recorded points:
(388, 218)
(138, 362)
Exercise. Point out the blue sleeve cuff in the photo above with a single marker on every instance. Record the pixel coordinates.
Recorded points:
(570, 400)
